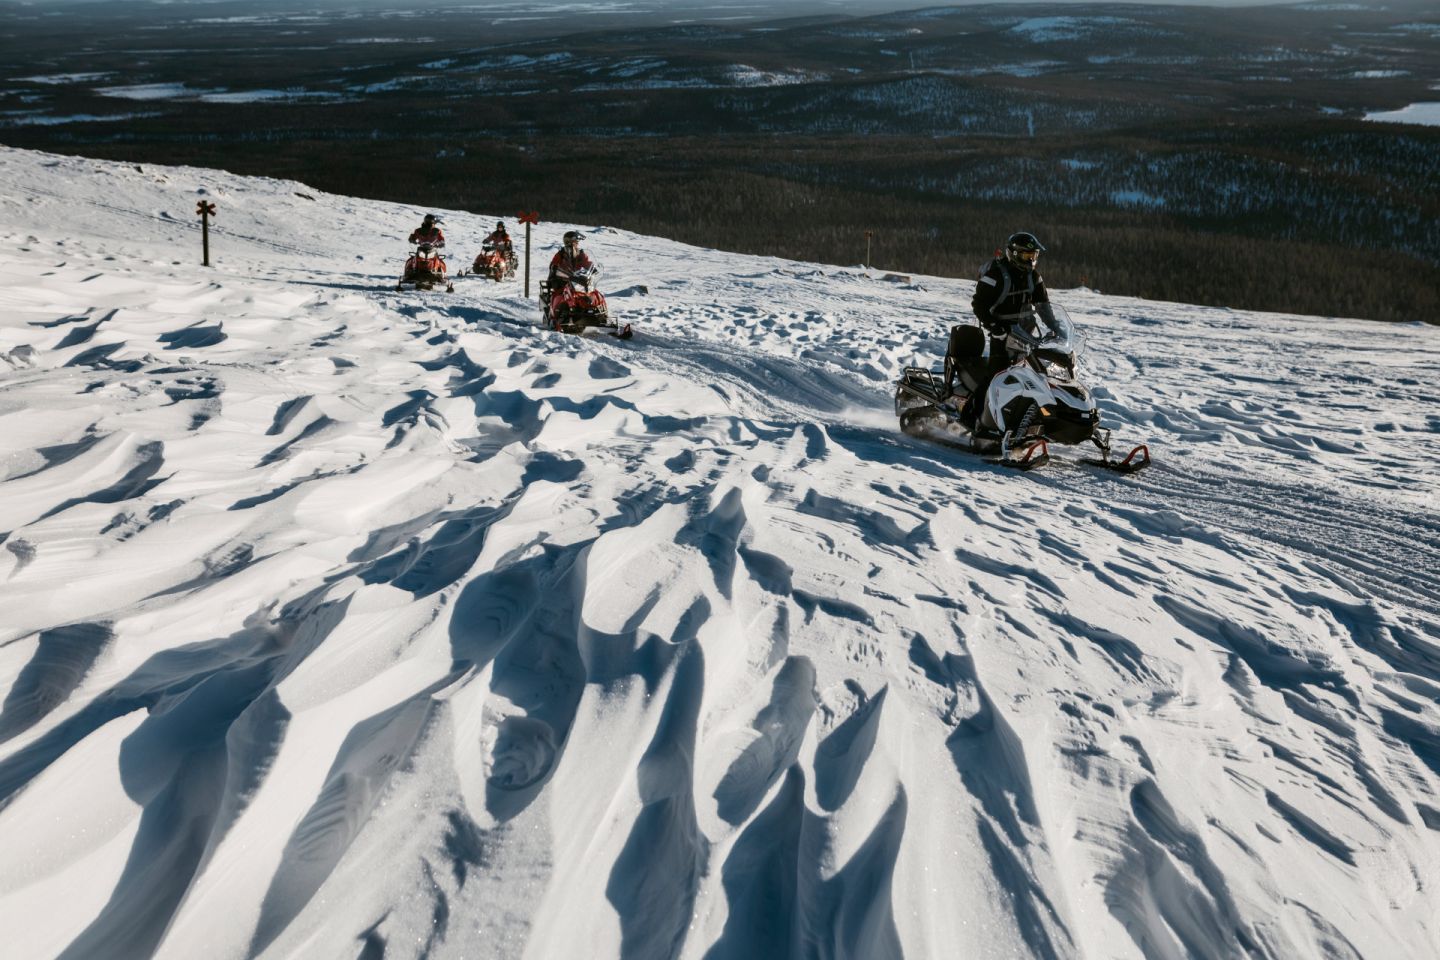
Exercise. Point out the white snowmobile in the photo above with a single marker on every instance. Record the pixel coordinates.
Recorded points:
(1032, 401)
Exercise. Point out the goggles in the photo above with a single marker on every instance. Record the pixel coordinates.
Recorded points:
(1030, 256)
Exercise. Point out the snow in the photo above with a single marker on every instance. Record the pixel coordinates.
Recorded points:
(1426, 114)
(382, 86)
(56, 79)
(335, 617)
(743, 75)
(1045, 29)
(658, 74)
(1058, 29)
(1031, 68)
(28, 120)
(251, 20)
(180, 91)
(637, 65)
(151, 91)
(257, 96)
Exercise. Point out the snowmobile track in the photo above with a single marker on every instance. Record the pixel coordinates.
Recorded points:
(1356, 538)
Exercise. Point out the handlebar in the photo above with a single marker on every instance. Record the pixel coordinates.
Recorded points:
(1020, 339)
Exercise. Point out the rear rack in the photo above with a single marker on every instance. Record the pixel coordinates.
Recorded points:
(926, 379)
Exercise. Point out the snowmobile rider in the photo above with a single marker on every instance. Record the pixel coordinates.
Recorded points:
(567, 260)
(499, 239)
(429, 232)
(1009, 291)
(1009, 285)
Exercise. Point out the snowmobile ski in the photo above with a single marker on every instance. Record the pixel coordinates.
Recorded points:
(1036, 453)
(1133, 462)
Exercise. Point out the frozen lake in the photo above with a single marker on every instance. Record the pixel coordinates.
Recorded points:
(1427, 114)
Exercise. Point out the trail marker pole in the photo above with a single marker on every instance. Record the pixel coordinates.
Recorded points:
(529, 219)
(868, 235)
(206, 211)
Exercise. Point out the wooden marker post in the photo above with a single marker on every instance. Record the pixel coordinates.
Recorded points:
(868, 235)
(529, 219)
(206, 211)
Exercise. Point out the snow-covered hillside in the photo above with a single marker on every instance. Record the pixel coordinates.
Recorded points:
(337, 622)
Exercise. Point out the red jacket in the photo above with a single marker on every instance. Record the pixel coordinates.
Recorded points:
(499, 239)
(562, 262)
(433, 236)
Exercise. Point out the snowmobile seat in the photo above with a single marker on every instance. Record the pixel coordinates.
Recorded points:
(966, 340)
(965, 365)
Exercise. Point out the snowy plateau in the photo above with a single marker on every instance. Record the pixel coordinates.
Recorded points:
(341, 622)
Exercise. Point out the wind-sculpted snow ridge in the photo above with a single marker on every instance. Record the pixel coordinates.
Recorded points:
(337, 622)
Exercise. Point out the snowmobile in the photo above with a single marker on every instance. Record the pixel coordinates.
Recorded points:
(572, 305)
(1033, 400)
(495, 263)
(425, 270)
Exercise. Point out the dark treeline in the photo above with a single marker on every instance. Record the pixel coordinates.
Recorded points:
(814, 203)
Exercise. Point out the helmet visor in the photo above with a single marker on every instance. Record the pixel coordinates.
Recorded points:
(1028, 256)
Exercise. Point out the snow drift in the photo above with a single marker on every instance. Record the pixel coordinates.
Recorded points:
(336, 622)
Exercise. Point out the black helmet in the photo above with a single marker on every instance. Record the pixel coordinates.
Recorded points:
(1023, 250)
(429, 219)
(500, 225)
(571, 236)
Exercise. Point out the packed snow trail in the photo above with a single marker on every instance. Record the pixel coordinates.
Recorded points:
(339, 622)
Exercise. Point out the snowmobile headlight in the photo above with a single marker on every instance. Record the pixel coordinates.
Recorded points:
(1056, 365)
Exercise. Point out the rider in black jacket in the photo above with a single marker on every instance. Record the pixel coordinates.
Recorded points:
(1008, 287)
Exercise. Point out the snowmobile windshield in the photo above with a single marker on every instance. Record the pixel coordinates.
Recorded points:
(1058, 334)
(1053, 342)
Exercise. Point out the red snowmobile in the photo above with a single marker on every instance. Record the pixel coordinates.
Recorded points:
(571, 304)
(495, 263)
(425, 270)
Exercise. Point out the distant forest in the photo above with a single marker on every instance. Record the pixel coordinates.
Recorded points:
(1159, 152)
(732, 198)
